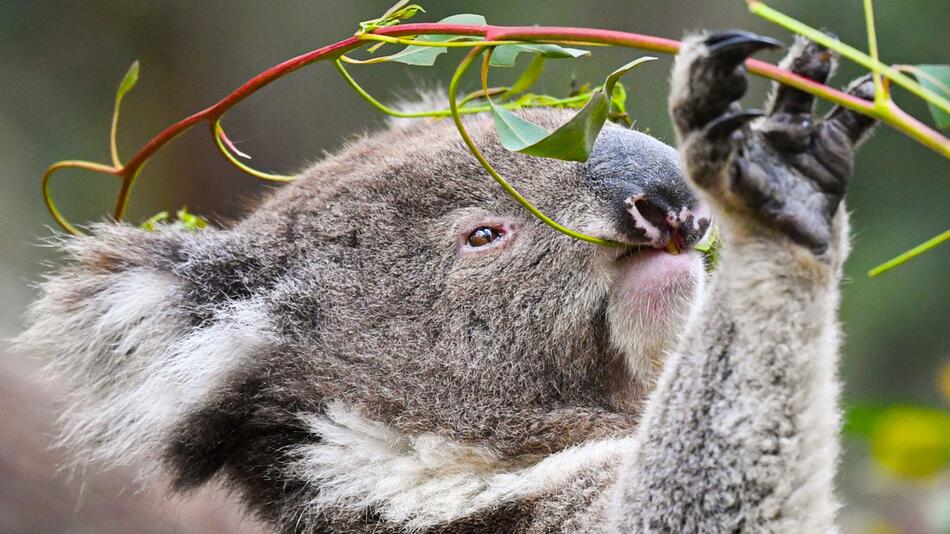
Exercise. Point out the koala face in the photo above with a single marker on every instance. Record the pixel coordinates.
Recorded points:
(395, 278)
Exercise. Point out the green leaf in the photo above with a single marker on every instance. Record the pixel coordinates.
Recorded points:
(394, 15)
(128, 82)
(527, 78)
(190, 221)
(710, 246)
(468, 19)
(618, 99)
(184, 221)
(420, 56)
(937, 79)
(152, 223)
(425, 56)
(505, 55)
(573, 140)
(618, 105)
(516, 133)
(536, 100)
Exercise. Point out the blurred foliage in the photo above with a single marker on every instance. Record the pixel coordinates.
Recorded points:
(910, 446)
(911, 442)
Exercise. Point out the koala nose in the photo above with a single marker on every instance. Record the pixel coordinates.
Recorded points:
(640, 180)
(659, 219)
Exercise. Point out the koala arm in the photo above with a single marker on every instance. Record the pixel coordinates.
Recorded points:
(740, 433)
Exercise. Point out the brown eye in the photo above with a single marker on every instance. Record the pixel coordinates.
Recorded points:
(483, 236)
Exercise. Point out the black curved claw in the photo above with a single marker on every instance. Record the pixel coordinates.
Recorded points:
(730, 122)
(734, 46)
(856, 125)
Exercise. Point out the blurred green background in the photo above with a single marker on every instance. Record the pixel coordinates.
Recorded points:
(60, 61)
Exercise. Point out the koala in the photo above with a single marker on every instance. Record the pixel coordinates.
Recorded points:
(392, 344)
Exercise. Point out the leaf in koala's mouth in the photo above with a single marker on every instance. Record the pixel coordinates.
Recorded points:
(710, 245)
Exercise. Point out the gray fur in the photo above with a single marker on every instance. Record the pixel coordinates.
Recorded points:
(345, 364)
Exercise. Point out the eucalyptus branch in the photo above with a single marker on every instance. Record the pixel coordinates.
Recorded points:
(910, 254)
(880, 93)
(389, 30)
(871, 63)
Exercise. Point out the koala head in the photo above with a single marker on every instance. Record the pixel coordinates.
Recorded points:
(394, 279)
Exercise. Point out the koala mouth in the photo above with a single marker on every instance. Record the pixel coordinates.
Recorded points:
(653, 270)
(655, 282)
(650, 298)
(676, 245)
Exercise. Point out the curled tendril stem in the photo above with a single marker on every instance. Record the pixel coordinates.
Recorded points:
(217, 131)
(69, 164)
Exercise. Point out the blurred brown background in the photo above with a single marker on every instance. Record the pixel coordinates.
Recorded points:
(61, 60)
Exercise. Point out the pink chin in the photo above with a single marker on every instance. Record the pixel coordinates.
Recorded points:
(654, 273)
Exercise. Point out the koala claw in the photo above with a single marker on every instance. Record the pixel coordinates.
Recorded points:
(734, 46)
(728, 123)
(715, 75)
(782, 166)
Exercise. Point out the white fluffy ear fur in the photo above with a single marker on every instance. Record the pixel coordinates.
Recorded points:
(117, 328)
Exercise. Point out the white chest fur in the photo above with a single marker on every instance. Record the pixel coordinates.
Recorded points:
(424, 480)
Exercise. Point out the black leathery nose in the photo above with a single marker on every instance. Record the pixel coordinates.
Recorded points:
(628, 169)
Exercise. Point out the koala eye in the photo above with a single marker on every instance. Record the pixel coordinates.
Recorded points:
(487, 235)
(482, 236)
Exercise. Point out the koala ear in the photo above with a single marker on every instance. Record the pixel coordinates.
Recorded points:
(128, 331)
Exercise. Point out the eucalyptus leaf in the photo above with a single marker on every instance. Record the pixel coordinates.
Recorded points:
(394, 15)
(420, 56)
(425, 56)
(618, 105)
(152, 223)
(541, 100)
(573, 140)
(937, 79)
(184, 220)
(505, 55)
(516, 133)
(618, 99)
(527, 78)
(190, 221)
(465, 19)
(710, 245)
(128, 81)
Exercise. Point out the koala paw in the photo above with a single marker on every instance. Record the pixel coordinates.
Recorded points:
(782, 166)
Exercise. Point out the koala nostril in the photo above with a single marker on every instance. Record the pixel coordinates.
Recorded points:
(649, 220)
(660, 224)
(651, 213)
